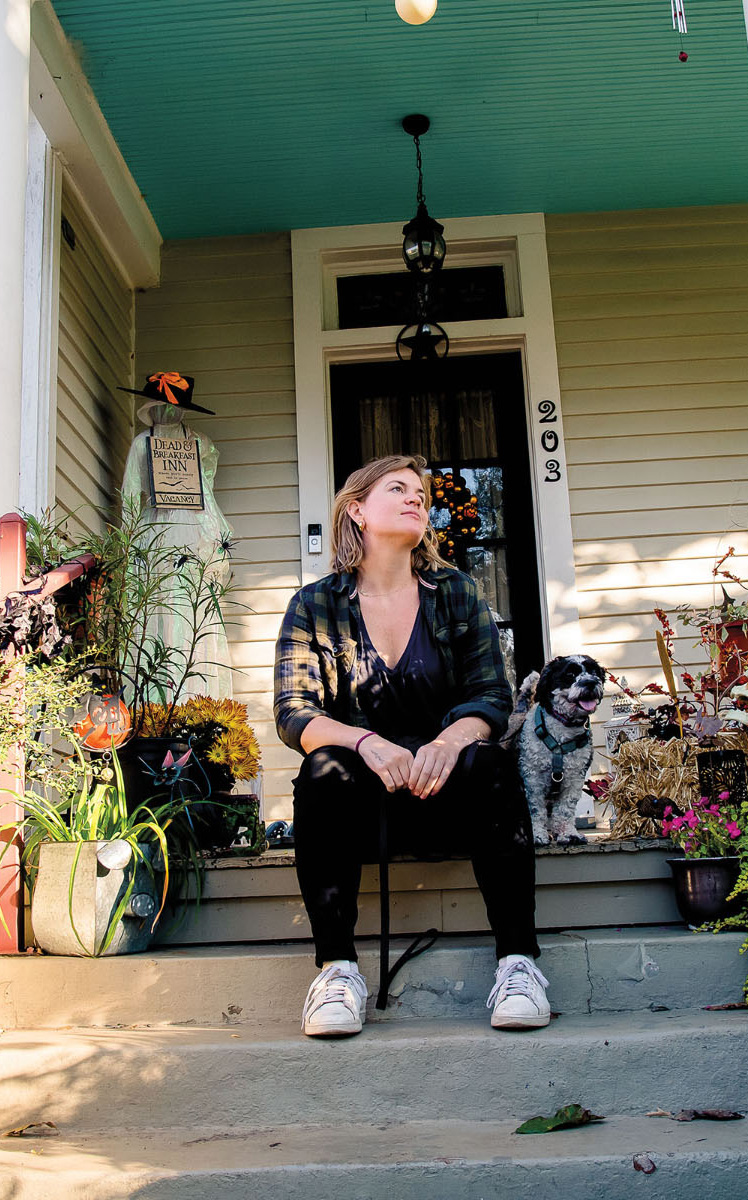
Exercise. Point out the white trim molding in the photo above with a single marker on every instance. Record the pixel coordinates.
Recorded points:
(65, 106)
(517, 242)
(41, 293)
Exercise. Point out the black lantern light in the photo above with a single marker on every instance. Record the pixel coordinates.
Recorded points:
(424, 247)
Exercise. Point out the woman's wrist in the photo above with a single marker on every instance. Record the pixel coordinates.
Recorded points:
(466, 730)
(363, 738)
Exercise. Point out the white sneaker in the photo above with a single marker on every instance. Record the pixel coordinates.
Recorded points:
(336, 1002)
(518, 997)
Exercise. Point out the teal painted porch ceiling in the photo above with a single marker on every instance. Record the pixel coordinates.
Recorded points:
(237, 116)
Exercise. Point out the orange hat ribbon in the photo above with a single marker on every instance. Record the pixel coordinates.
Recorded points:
(166, 381)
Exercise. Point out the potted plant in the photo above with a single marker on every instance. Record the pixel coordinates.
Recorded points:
(694, 742)
(154, 614)
(708, 833)
(98, 873)
(226, 750)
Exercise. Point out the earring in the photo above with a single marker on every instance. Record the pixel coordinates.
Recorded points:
(361, 525)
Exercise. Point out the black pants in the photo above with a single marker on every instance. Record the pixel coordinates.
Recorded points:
(480, 811)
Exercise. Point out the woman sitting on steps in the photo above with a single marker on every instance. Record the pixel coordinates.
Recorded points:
(389, 681)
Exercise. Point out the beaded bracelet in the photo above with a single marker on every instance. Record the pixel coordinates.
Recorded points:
(363, 739)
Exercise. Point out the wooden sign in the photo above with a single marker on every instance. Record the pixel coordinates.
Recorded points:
(174, 472)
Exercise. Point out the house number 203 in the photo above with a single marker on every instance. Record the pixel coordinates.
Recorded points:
(549, 439)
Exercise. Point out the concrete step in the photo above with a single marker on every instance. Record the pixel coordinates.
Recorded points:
(594, 970)
(410, 1070)
(430, 1160)
(606, 882)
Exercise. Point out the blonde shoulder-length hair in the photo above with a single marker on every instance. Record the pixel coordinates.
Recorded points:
(347, 539)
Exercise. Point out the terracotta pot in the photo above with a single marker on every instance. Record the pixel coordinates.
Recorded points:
(732, 654)
(702, 886)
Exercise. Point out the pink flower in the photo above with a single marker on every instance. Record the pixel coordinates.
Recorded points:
(692, 819)
(724, 796)
(667, 826)
(677, 822)
(668, 810)
(732, 829)
(713, 808)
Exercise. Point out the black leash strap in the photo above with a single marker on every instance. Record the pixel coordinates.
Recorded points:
(387, 973)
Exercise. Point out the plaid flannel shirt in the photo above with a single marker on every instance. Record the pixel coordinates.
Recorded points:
(315, 657)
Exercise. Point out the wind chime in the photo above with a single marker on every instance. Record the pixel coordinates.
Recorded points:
(679, 24)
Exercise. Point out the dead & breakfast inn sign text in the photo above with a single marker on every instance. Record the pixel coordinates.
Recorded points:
(174, 472)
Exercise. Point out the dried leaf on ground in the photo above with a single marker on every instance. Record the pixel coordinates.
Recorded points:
(569, 1117)
(659, 1112)
(708, 1114)
(35, 1129)
(642, 1162)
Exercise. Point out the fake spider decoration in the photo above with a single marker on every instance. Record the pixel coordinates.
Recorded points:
(227, 544)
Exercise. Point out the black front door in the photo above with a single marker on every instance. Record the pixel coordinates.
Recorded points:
(467, 419)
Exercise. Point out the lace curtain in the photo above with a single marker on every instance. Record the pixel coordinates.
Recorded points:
(428, 417)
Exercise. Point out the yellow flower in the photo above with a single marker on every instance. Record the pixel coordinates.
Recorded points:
(204, 710)
(154, 719)
(238, 751)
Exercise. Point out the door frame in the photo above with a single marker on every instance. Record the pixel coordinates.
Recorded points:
(519, 243)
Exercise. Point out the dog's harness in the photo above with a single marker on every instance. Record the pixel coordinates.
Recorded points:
(559, 749)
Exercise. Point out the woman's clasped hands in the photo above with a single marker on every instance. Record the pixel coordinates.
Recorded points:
(423, 773)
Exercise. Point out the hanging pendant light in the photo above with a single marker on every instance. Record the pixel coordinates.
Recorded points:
(424, 248)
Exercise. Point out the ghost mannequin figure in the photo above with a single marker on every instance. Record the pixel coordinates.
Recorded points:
(204, 533)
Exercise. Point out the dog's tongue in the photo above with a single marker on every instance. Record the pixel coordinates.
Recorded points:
(588, 705)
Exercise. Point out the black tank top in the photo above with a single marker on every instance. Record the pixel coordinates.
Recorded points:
(405, 703)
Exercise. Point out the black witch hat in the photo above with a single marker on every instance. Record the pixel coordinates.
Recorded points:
(169, 387)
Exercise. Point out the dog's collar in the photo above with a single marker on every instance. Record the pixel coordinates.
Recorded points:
(558, 749)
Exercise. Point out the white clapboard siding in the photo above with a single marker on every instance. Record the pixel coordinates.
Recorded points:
(96, 346)
(223, 313)
(651, 317)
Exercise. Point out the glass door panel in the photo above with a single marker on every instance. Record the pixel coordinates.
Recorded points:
(467, 419)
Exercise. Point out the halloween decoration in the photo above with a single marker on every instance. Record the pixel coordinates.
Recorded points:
(105, 722)
(195, 532)
(449, 495)
(30, 623)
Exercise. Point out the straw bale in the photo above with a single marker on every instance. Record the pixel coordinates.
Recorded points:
(663, 769)
(647, 767)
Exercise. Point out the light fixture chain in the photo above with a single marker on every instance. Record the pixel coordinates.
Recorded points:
(419, 164)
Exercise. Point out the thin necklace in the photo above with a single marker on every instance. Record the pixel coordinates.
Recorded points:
(374, 595)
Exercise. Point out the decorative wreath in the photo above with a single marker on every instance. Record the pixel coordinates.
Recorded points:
(450, 495)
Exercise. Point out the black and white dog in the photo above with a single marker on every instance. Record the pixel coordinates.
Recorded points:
(555, 743)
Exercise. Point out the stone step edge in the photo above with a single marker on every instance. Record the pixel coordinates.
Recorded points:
(614, 971)
(192, 1037)
(424, 1145)
(162, 1077)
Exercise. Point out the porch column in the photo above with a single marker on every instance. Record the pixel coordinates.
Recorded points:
(15, 42)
